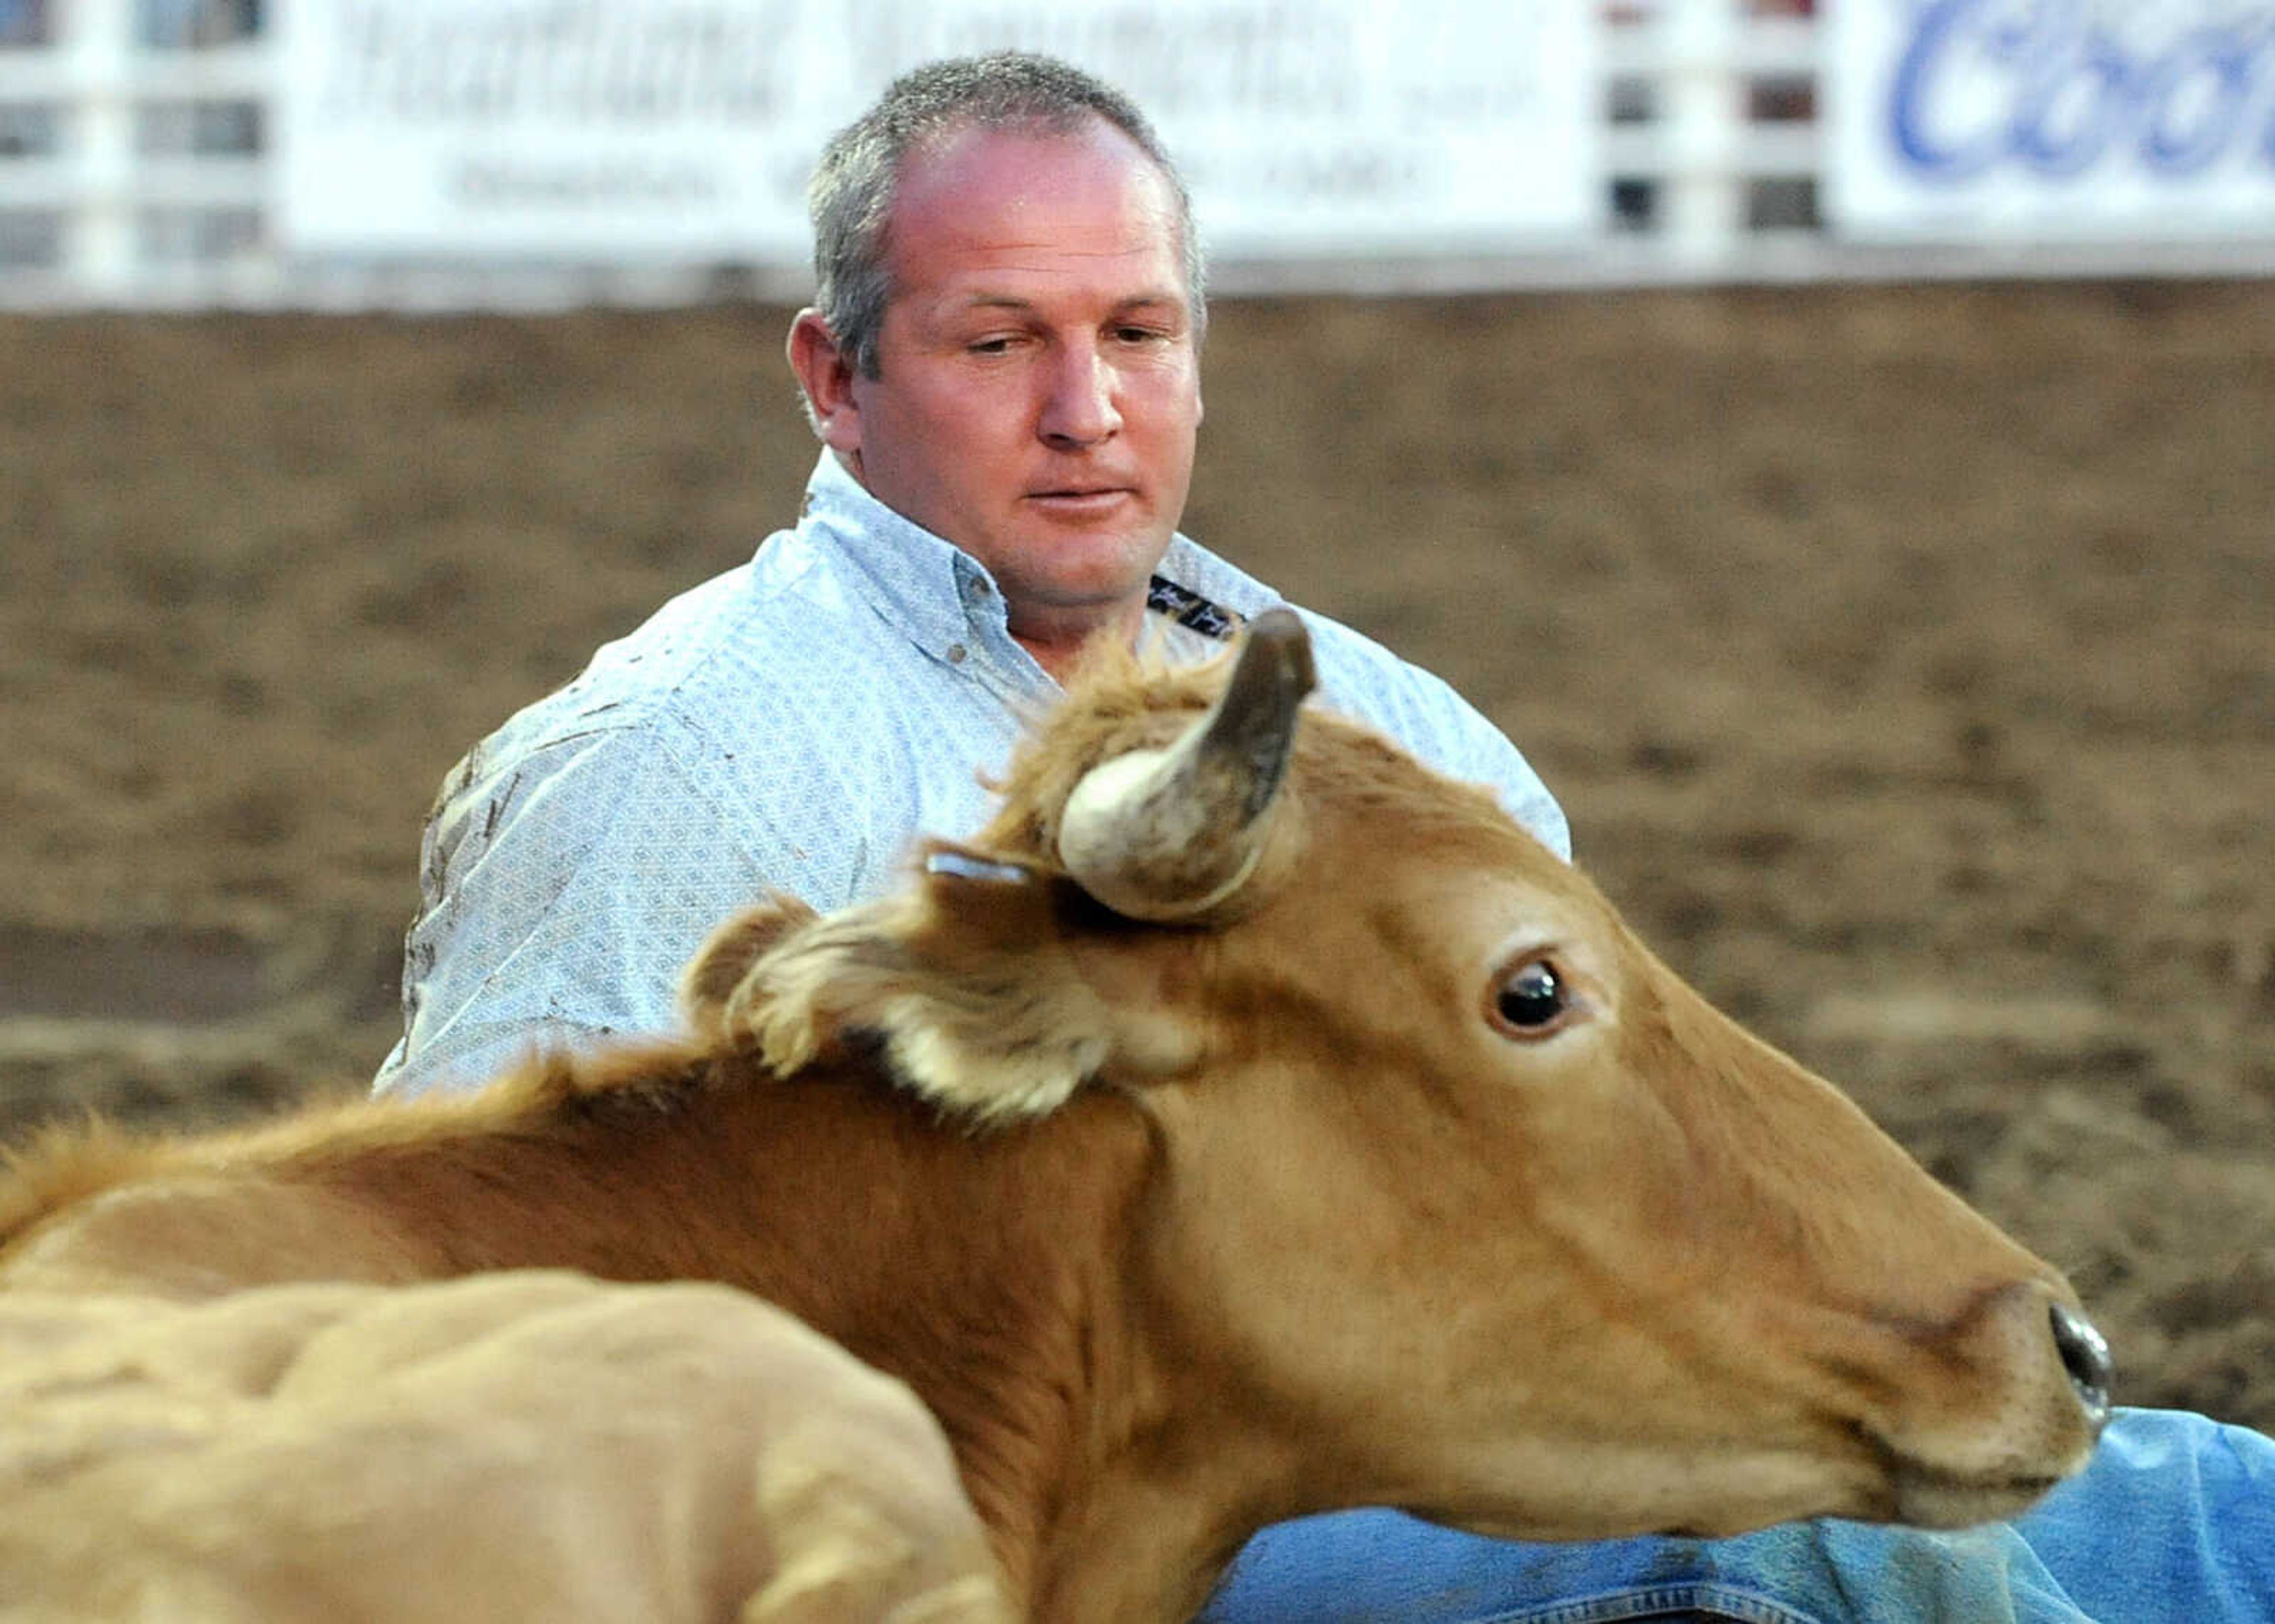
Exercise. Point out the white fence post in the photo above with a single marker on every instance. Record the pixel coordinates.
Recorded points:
(95, 50)
(1703, 194)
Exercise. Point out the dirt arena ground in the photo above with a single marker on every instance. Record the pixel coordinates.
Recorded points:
(1906, 659)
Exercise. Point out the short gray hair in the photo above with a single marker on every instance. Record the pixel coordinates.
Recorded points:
(851, 196)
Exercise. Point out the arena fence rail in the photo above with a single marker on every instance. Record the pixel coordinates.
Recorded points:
(138, 152)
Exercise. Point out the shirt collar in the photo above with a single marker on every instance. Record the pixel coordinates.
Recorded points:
(931, 587)
(948, 601)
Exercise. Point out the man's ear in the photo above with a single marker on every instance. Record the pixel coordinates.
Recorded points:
(825, 372)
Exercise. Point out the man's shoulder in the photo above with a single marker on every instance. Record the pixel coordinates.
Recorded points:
(748, 647)
(1372, 684)
(1210, 575)
(1221, 582)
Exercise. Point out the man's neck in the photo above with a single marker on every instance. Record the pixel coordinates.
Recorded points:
(1057, 641)
(1055, 637)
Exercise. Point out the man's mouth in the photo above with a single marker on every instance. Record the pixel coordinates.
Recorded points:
(1082, 498)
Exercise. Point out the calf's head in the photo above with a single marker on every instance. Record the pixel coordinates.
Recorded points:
(1468, 1202)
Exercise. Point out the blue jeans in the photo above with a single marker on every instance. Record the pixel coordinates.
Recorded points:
(2173, 1523)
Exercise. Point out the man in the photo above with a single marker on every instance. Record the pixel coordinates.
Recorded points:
(1002, 365)
(1007, 382)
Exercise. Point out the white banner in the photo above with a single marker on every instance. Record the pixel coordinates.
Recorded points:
(660, 130)
(2050, 120)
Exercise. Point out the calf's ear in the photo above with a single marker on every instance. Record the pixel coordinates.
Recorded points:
(963, 983)
(725, 960)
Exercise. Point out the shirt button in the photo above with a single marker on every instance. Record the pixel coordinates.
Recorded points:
(956, 653)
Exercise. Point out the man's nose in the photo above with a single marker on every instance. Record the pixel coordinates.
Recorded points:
(1080, 409)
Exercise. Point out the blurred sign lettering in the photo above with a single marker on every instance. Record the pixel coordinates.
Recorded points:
(620, 130)
(2052, 118)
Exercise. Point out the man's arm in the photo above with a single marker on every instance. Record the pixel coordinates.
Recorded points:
(565, 889)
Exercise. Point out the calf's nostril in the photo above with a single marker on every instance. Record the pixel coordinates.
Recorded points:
(2085, 1355)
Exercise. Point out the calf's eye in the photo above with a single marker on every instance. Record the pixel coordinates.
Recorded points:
(1531, 1000)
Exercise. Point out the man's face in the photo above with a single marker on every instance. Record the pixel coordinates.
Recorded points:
(1039, 386)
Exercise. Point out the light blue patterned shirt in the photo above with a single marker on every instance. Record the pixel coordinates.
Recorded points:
(790, 725)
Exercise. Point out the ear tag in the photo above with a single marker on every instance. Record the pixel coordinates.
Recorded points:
(963, 865)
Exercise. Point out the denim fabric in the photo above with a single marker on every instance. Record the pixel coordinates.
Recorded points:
(2173, 1523)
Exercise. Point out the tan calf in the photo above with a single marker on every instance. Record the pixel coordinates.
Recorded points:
(494, 1448)
(1249, 1123)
